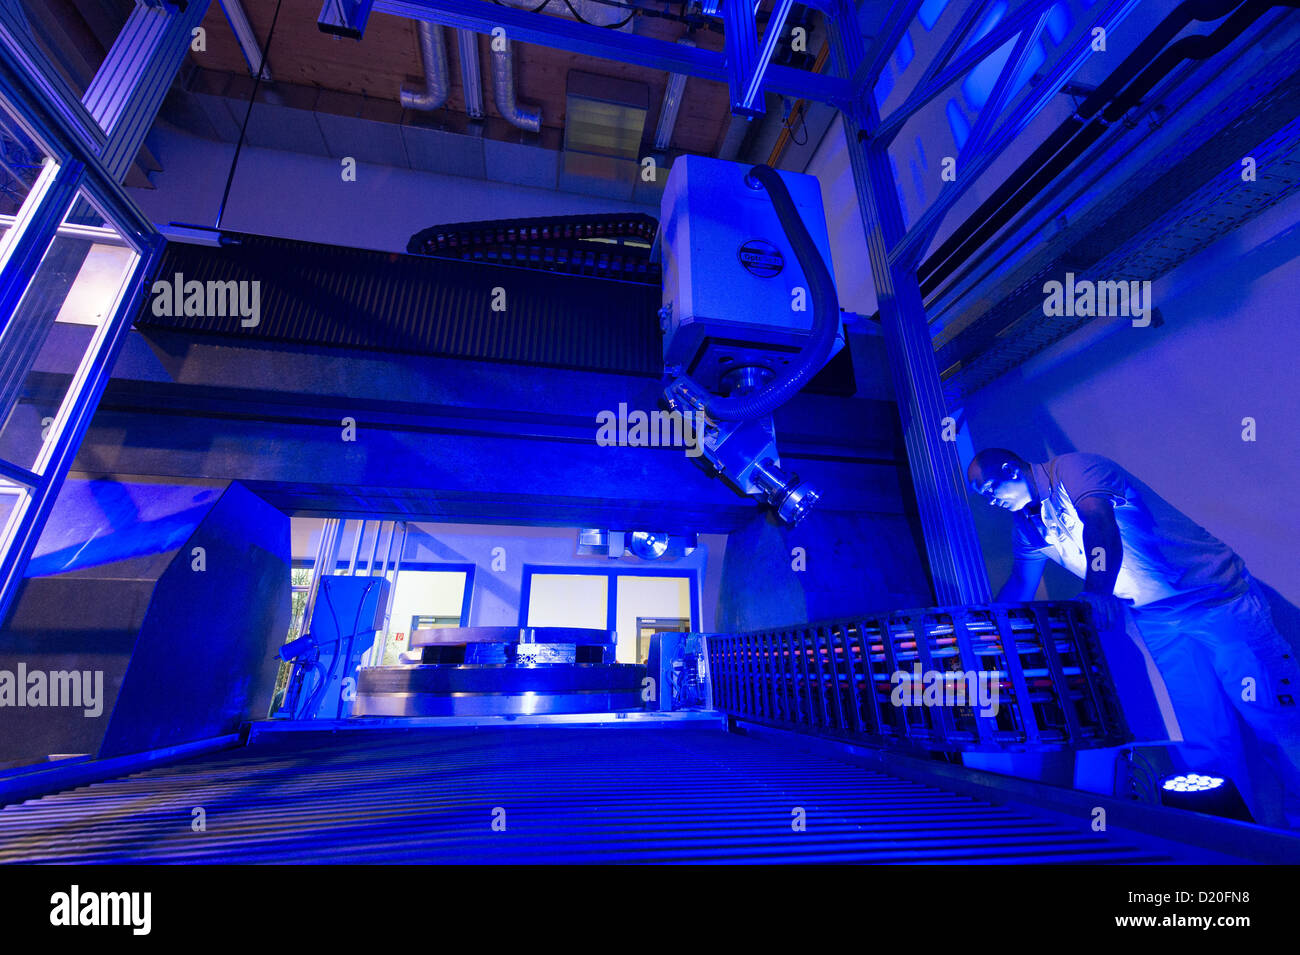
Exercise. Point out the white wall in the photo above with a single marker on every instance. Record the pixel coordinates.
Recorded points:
(568, 600)
(1167, 403)
(299, 196)
(498, 576)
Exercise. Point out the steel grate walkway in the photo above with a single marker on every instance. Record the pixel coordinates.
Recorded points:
(684, 794)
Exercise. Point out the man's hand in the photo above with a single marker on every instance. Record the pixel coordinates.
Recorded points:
(1107, 609)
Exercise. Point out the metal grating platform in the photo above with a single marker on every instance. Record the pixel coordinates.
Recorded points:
(636, 794)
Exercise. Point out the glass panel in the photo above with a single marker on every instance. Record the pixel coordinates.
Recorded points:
(21, 158)
(657, 597)
(55, 329)
(568, 600)
(11, 496)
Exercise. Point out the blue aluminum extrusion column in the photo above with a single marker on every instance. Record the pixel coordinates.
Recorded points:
(128, 88)
(93, 144)
(956, 561)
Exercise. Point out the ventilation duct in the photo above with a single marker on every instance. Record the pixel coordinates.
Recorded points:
(503, 89)
(433, 52)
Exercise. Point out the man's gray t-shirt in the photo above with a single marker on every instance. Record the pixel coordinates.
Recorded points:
(1167, 556)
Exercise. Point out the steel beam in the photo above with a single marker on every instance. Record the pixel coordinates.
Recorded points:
(21, 476)
(25, 330)
(70, 133)
(771, 36)
(970, 18)
(747, 60)
(956, 561)
(345, 17)
(918, 237)
(1003, 90)
(866, 74)
(939, 77)
(29, 84)
(741, 42)
(247, 39)
(25, 243)
(30, 63)
(558, 33)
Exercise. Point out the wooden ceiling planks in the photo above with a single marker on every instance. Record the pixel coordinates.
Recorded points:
(388, 56)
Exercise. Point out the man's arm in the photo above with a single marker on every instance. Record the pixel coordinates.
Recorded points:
(1102, 544)
(1023, 582)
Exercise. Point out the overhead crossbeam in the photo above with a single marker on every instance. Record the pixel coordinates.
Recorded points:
(941, 74)
(748, 60)
(1002, 91)
(575, 37)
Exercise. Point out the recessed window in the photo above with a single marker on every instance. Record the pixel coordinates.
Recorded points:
(1058, 22)
(930, 12)
(990, 20)
(884, 86)
(903, 55)
(568, 600)
(979, 83)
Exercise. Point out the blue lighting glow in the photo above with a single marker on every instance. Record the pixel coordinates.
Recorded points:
(1192, 783)
(978, 85)
(1058, 22)
(884, 86)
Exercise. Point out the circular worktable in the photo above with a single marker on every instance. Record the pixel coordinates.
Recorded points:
(501, 671)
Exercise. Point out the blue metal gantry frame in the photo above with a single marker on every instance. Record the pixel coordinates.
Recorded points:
(94, 138)
(956, 561)
(90, 142)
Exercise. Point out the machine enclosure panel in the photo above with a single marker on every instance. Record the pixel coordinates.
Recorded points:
(712, 224)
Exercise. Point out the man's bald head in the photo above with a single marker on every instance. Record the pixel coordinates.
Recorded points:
(1002, 477)
(990, 462)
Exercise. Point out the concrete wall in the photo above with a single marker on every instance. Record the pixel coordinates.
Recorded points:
(299, 196)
